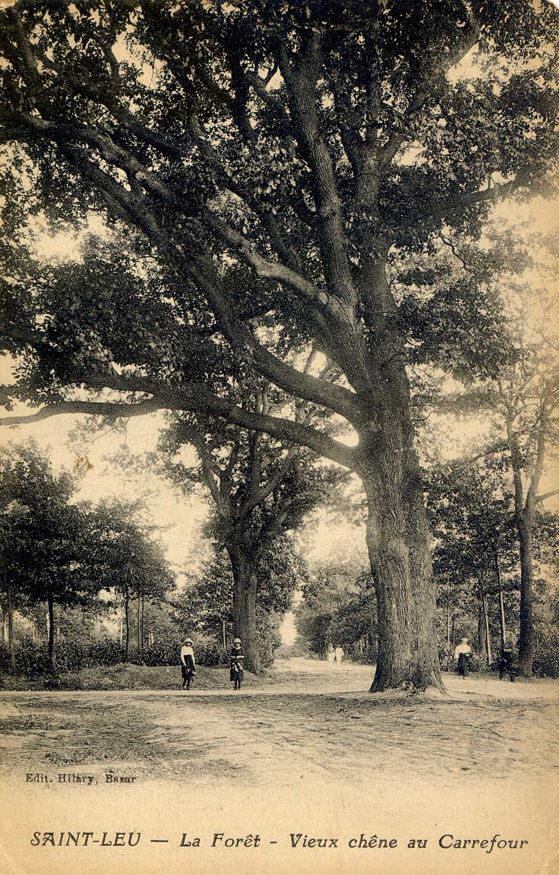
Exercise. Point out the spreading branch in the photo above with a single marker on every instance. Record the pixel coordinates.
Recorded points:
(198, 398)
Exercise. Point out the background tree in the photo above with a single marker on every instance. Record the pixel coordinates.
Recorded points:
(473, 525)
(277, 158)
(336, 610)
(47, 555)
(12, 521)
(476, 550)
(260, 491)
(529, 408)
(206, 603)
(129, 562)
(521, 401)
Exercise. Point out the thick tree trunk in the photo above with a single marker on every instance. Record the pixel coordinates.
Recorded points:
(398, 536)
(526, 637)
(399, 551)
(244, 607)
(51, 633)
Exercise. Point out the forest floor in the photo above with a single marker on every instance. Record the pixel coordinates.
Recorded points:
(306, 719)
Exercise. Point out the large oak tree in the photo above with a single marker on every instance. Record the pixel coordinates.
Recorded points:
(274, 158)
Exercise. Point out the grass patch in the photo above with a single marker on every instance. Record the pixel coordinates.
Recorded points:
(126, 676)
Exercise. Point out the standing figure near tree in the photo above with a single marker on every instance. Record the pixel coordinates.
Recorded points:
(236, 666)
(462, 656)
(507, 663)
(188, 663)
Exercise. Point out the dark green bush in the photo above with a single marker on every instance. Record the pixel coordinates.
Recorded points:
(32, 658)
(546, 658)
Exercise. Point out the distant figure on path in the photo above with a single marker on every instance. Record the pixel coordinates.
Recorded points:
(236, 665)
(330, 653)
(462, 656)
(338, 654)
(188, 663)
(506, 663)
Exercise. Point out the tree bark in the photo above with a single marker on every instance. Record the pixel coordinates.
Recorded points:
(51, 635)
(399, 551)
(502, 621)
(524, 520)
(244, 607)
(485, 615)
(526, 637)
(138, 622)
(398, 535)
(481, 633)
(127, 623)
(10, 624)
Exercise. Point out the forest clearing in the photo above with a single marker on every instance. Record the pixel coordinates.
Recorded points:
(305, 723)
(280, 396)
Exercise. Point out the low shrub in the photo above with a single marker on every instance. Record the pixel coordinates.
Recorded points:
(71, 656)
(546, 657)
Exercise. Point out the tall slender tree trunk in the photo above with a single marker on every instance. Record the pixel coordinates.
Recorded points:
(127, 623)
(244, 607)
(524, 510)
(138, 623)
(51, 632)
(502, 621)
(526, 638)
(10, 626)
(487, 630)
(481, 632)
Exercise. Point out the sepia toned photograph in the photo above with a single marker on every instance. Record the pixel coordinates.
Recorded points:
(279, 434)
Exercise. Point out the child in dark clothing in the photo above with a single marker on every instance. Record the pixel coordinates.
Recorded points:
(507, 663)
(236, 664)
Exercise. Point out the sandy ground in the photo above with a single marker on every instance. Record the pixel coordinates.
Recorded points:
(307, 751)
(315, 720)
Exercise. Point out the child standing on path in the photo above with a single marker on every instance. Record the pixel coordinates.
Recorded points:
(237, 660)
(462, 655)
(507, 663)
(188, 663)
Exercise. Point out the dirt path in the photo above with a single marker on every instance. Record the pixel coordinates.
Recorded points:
(315, 722)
